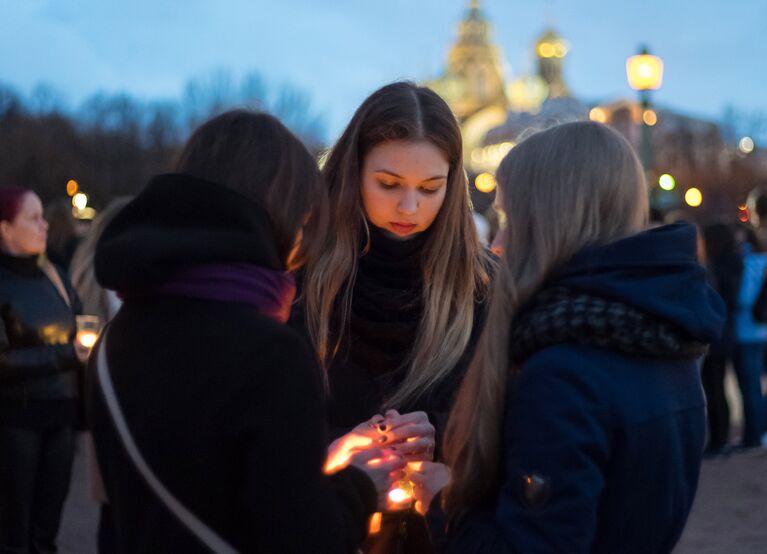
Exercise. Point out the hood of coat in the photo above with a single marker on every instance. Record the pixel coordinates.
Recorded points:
(655, 271)
(177, 222)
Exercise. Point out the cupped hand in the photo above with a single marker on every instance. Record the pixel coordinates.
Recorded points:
(428, 479)
(383, 467)
(81, 352)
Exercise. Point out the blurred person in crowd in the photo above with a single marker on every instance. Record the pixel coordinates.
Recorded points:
(483, 228)
(62, 232)
(95, 300)
(580, 424)
(395, 299)
(757, 209)
(725, 267)
(103, 304)
(39, 364)
(751, 337)
(219, 398)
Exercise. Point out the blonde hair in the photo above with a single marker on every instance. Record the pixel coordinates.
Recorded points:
(572, 186)
(81, 268)
(454, 274)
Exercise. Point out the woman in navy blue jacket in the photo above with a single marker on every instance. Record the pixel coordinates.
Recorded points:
(580, 425)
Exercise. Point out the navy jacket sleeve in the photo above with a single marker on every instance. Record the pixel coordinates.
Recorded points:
(556, 444)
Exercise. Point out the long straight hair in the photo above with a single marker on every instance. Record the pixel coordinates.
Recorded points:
(452, 263)
(572, 186)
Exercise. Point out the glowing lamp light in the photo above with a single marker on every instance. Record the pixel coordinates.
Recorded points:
(547, 50)
(88, 213)
(693, 197)
(666, 182)
(598, 115)
(645, 72)
(485, 182)
(72, 187)
(560, 50)
(746, 145)
(649, 117)
(80, 200)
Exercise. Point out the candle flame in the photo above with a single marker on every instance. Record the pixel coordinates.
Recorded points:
(87, 338)
(398, 496)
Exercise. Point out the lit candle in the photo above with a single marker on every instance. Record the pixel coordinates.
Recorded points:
(87, 330)
(401, 495)
(87, 338)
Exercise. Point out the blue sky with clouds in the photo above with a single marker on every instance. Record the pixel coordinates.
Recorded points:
(340, 50)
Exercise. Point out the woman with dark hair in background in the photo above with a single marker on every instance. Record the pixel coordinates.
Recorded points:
(725, 266)
(395, 299)
(39, 363)
(223, 400)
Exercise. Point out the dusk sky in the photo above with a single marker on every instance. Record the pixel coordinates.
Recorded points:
(339, 51)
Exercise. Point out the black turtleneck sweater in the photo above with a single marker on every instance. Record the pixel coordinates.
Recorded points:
(38, 364)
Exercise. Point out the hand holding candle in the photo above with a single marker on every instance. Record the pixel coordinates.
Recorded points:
(88, 329)
(428, 479)
(383, 467)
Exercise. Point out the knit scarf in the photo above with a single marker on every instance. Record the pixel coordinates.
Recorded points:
(386, 304)
(561, 315)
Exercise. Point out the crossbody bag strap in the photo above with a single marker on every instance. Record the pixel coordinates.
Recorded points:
(55, 279)
(204, 533)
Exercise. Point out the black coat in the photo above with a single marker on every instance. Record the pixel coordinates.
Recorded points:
(38, 364)
(224, 403)
(604, 426)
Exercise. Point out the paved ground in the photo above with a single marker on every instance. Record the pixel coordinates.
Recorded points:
(729, 515)
(77, 534)
(730, 511)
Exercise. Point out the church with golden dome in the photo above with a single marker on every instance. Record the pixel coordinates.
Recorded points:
(496, 110)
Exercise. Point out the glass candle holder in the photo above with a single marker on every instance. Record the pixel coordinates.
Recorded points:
(88, 329)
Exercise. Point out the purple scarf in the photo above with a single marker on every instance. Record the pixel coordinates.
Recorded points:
(271, 292)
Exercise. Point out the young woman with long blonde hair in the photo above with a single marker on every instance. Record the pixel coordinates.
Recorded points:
(580, 424)
(394, 300)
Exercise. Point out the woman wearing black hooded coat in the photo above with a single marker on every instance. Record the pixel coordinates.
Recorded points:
(223, 400)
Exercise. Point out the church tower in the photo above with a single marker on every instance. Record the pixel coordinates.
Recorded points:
(473, 79)
(550, 51)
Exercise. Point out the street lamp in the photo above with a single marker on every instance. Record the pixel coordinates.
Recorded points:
(645, 73)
